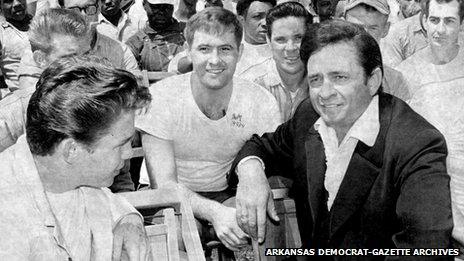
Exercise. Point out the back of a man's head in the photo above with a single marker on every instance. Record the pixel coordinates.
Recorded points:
(56, 22)
(243, 5)
(287, 9)
(214, 21)
(336, 31)
(79, 97)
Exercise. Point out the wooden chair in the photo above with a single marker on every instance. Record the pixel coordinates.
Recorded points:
(175, 214)
(149, 77)
(285, 207)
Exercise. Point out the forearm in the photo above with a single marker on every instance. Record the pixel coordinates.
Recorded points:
(202, 208)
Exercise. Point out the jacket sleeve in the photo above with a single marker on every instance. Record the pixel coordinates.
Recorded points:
(424, 203)
(276, 149)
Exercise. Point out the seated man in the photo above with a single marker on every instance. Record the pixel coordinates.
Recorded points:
(113, 22)
(13, 40)
(373, 16)
(79, 126)
(368, 171)
(198, 121)
(284, 75)
(54, 33)
(116, 52)
(161, 39)
(437, 77)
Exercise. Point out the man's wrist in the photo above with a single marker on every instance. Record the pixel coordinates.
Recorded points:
(247, 163)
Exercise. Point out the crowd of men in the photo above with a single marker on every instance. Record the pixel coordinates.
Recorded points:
(357, 104)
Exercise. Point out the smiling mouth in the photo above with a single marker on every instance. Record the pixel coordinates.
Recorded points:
(215, 71)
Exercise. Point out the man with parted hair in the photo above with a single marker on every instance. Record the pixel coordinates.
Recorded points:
(284, 73)
(373, 16)
(54, 33)
(197, 122)
(80, 122)
(436, 75)
(368, 171)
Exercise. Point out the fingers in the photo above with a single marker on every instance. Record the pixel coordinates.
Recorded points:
(271, 211)
(261, 220)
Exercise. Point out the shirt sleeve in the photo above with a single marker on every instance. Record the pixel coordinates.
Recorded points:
(135, 44)
(130, 63)
(159, 120)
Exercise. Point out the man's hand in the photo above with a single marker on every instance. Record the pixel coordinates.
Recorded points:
(227, 229)
(254, 199)
(130, 241)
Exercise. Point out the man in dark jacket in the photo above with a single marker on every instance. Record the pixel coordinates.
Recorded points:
(368, 171)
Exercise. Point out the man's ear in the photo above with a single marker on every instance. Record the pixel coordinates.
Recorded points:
(387, 29)
(240, 51)
(241, 19)
(70, 150)
(374, 81)
(40, 58)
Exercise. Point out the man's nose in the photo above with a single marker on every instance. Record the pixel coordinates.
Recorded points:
(214, 57)
(292, 45)
(441, 27)
(327, 90)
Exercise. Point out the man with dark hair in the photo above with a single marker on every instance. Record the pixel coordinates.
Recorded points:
(437, 77)
(161, 39)
(368, 171)
(198, 121)
(325, 9)
(14, 24)
(54, 33)
(252, 15)
(284, 74)
(373, 16)
(113, 22)
(80, 122)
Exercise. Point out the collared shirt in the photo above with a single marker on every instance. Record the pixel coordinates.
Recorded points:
(30, 227)
(252, 54)
(122, 32)
(13, 42)
(404, 39)
(266, 75)
(365, 129)
(155, 49)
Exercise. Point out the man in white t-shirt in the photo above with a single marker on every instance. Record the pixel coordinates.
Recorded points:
(436, 75)
(198, 121)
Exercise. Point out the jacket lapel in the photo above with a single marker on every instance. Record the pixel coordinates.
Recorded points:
(316, 167)
(361, 173)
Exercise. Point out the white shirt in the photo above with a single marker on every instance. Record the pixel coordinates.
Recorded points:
(204, 148)
(365, 129)
(252, 54)
(122, 32)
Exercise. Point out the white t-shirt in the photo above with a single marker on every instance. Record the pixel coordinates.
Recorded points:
(252, 55)
(204, 148)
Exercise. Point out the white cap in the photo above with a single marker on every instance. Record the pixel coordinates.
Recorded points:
(154, 2)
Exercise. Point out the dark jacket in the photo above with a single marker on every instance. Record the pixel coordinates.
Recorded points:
(394, 194)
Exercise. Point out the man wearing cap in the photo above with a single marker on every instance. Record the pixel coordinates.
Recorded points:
(156, 45)
(373, 16)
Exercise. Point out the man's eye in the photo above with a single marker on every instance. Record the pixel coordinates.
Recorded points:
(315, 82)
(434, 20)
(340, 78)
(226, 49)
(203, 49)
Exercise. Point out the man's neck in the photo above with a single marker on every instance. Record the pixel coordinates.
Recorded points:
(212, 102)
(54, 177)
(251, 41)
(115, 18)
(20, 25)
(292, 82)
(441, 55)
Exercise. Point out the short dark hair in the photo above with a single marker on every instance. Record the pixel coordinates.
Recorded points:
(335, 31)
(215, 20)
(243, 5)
(77, 97)
(287, 9)
(425, 4)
